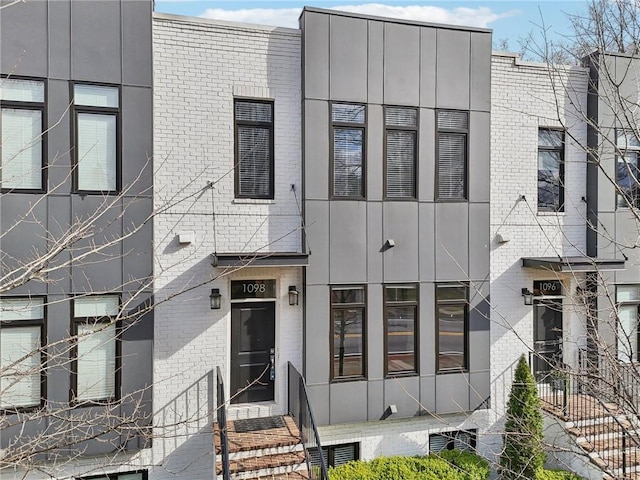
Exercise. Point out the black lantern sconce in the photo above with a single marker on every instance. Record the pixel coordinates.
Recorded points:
(528, 296)
(293, 295)
(215, 299)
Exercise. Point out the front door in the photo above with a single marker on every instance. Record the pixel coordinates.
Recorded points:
(252, 351)
(547, 338)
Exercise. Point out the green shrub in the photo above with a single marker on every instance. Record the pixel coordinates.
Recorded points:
(450, 465)
(522, 455)
(544, 474)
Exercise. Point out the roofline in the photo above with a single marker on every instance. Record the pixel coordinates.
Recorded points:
(212, 22)
(340, 13)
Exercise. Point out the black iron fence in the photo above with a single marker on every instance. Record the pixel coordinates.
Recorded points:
(221, 411)
(300, 410)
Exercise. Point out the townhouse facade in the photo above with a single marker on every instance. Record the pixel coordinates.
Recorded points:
(386, 207)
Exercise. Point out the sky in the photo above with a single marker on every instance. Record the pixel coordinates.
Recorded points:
(509, 20)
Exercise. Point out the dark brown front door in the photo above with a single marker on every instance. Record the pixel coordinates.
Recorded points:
(252, 350)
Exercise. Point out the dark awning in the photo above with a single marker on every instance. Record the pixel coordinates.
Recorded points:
(572, 264)
(266, 259)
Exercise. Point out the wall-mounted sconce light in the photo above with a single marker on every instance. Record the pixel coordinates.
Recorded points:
(293, 295)
(215, 299)
(390, 410)
(528, 296)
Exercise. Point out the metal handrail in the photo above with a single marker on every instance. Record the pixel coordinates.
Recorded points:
(221, 412)
(300, 409)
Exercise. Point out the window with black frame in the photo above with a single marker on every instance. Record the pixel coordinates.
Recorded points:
(628, 191)
(21, 128)
(401, 133)
(335, 455)
(401, 332)
(118, 476)
(348, 317)
(348, 157)
(95, 354)
(550, 170)
(21, 355)
(462, 440)
(254, 157)
(628, 309)
(452, 327)
(97, 110)
(451, 165)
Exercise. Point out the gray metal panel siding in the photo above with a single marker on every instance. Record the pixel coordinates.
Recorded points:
(316, 149)
(375, 333)
(427, 330)
(374, 151)
(58, 137)
(453, 65)
(400, 220)
(376, 62)
(59, 43)
(428, 392)
(401, 64)
(427, 67)
(401, 392)
(348, 242)
(317, 220)
(426, 155)
(452, 392)
(479, 156)
(137, 141)
(348, 402)
(23, 50)
(375, 399)
(348, 59)
(481, 71)
(452, 241)
(137, 64)
(315, 38)
(479, 241)
(317, 334)
(375, 241)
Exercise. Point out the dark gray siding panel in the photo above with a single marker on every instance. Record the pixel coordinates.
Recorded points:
(59, 43)
(481, 71)
(374, 151)
(480, 389)
(317, 214)
(316, 50)
(348, 60)
(401, 224)
(479, 156)
(402, 393)
(427, 67)
(375, 399)
(452, 392)
(375, 241)
(348, 242)
(95, 36)
(316, 149)
(428, 393)
(136, 36)
(319, 398)
(376, 62)
(375, 332)
(137, 245)
(317, 335)
(137, 141)
(348, 402)
(59, 151)
(426, 155)
(453, 69)
(23, 50)
(58, 224)
(427, 329)
(452, 241)
(479, 241)
(401, 64)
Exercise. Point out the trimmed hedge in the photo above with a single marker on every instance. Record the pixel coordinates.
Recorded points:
(449, 465)
(556, 475)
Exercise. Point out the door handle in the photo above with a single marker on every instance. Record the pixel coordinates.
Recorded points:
(272, 363)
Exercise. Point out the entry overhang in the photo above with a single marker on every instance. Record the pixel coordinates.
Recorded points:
(573, 264)
(266, 259)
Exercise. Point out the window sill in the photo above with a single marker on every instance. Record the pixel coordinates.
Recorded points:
(391, 376)
(452, 371)
(348, 379)
(253, 201)
(551, 214)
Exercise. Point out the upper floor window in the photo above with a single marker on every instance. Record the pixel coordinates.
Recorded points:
(21, 125)
(628, 304)
(348, 159)
(254, 149)
(96, 138)
(550, 170)
(451, 165)
(95, 355)
(348, 317)
(452, 327)
(628, 191)
(21, 355)
(118, 476)
(401, 152)
(401, 328)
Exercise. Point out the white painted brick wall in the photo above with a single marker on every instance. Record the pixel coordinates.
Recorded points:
(200, 65)
(523, 99)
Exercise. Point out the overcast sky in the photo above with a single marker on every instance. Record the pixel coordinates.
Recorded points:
(509, 19)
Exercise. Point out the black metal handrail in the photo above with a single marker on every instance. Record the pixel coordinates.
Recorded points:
(221, 411)
(593, 391)
(300, 410)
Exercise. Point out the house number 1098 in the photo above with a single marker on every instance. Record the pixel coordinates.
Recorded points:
(254, 288)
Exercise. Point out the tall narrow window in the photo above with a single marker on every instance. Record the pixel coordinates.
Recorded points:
(628, 303)
(96, 141)
(348, 125)
(254, 149)
(95, 359)
(348, 317)
(550, 170)
(21, 125)
(401, 315)
(452, 327)
(453, 132)
(401, 151)
(627, 180)
(21, 329)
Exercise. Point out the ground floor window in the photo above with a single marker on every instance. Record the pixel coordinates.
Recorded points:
(628, 303)
(336, 455)
(464, 440)
(118, 476)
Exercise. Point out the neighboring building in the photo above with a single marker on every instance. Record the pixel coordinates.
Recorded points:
(398, 220)
(76, 357)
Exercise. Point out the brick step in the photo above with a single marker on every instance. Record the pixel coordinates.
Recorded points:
(601, 430)
(237, 456)
(296, 475)
(288, 435)
(608, 444)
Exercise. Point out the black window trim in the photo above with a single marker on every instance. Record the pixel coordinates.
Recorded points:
(416, 151)
(560, 149)
(115, 475)
(78, 109)
(416, 329)
(329, 451)
(452, 435)
(465, 197)
(42, 107)
(43, 350)
(620, 303)
(272, 160)
(465, 368)
(352, 126)
(633, 202)
(75, 321)
(363, 306)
